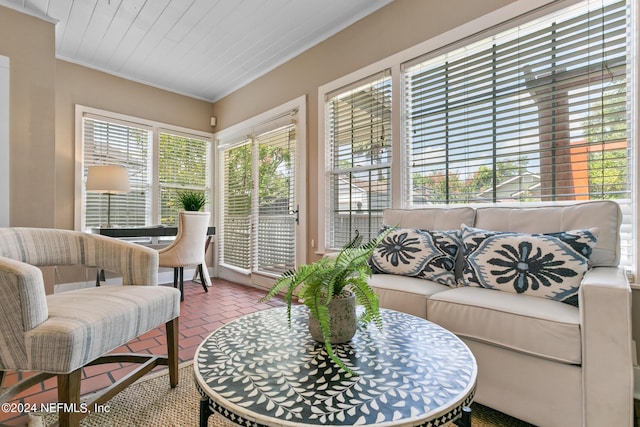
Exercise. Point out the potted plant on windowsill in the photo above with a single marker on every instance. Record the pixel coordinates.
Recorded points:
(192, 200)
(334, 283)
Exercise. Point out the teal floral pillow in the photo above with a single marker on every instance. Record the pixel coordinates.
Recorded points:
(548, 265)
(418, 253)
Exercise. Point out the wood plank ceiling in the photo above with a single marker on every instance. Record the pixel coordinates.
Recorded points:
(201, 48)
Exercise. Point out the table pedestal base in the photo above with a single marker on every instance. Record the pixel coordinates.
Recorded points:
(205, 412)
(465, 420)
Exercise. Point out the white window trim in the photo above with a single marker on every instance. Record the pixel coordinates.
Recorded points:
(393, 62)
(5, 177)
(154, 126)
(237, 130)
(635, 99)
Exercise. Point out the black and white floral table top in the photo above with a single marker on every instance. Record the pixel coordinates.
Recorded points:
(256, 371)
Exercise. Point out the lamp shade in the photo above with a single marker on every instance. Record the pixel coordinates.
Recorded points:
(111, 179)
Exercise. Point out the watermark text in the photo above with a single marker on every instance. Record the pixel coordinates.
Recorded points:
(52, 407)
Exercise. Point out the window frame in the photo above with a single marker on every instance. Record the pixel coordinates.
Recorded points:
(156, 128)
(237, 135)
(5, 177)
(172, 185)
(482, 117)
(364, 166)
(512, 15)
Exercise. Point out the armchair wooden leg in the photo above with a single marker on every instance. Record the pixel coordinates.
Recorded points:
(181, 274)
(69, 393)
(172, 351)
(178, 273)
(202, 279)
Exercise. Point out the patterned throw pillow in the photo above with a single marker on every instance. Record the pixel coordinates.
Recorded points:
(418, 253)
(548, 265)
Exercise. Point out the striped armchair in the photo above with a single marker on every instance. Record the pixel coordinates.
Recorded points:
(59, 334)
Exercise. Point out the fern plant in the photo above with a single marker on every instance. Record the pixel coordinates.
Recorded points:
(316, 284)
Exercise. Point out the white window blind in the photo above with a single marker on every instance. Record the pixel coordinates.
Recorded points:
(161, 160)
(124, 144)
(236, 206)
(536, 112)
(359, 159)
(258, 209)
(182, 166)
(276, 249)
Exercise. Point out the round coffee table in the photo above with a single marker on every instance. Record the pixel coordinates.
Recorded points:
(256, 371)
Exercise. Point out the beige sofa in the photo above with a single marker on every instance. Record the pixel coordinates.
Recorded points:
(540, 360)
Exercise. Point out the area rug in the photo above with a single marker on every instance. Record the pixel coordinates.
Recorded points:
(151, 402)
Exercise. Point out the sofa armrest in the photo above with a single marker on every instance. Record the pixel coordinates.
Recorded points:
(607, 361)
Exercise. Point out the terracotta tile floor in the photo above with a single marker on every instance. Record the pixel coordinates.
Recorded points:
(200, 314)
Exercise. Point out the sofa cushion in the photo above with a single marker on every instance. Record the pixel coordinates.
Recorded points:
(405, 294)
(418, 253)
(603, 214)
(543, 265)
(535, 326)
(436, 218)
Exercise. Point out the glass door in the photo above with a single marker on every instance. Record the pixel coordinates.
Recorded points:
(276, 213)
(259, 220)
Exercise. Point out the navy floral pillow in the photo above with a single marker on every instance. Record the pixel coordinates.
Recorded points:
(418, 253)
(548, 265)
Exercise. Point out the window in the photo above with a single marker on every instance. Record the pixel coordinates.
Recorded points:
(260, 195)
(523, 105)
(359, 159)
(123, 144)
(277, 206)
(182, 160)
(534, 113)
(260, 169)
(236, 214)
(182, 166)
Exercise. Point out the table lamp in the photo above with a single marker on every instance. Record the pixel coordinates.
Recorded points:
(108, 179)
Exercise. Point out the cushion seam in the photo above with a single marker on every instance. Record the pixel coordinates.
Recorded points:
(498, 310)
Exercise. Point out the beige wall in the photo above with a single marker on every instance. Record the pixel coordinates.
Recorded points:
(80, 85)
(394, 28)
(29, 44)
